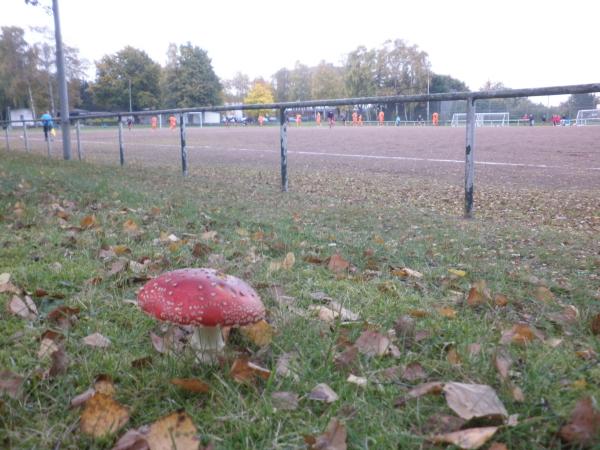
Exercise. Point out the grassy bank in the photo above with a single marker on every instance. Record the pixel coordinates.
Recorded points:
(87, 237)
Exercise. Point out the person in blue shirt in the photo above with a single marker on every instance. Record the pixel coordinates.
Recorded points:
(47, 124)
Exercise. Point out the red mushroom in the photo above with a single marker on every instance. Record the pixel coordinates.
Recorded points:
(205, 298)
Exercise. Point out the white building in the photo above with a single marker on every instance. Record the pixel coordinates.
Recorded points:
(22, 114)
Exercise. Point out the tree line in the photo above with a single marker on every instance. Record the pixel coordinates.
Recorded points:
(131, 79)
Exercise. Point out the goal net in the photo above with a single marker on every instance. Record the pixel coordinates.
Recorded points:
(497, 119)
(588, 117)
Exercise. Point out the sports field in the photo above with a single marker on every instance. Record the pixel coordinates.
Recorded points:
(518, 157)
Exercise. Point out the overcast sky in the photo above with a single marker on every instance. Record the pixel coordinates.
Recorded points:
(521, 43)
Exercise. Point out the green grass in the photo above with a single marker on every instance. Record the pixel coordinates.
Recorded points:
(373, 221)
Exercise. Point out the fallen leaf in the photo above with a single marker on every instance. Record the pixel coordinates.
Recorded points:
(447, 312)
(418, 313)
(359, 381)
(543, 294)
(117, 267)
(134, 440)
(433, 387)
(372, 343)
(10, 384)
(80, 399)
(595, 325)
(474, 349)
(471, 438)
(583, 428)
(129, 226)
(285, 401)
(457, 272)
(158, 343)
(96, 340)
(323, 393)
(119, 250)
(517, 394)
(244, 371)
(200, 250)
(174, 431)
(209, 235)
(478, 294)
(520, 333)
(500, 300)
(405, 329)
(63, 316)
(452, 355)
(337, 263)
(497, 446)
(346, 358)
(441, 424)
(405, 272)
(413, 372)
(285, 360)
(474, 401)
(102, 415)
(502, 361)
(23, 307)
(334, 437)
(191, 385)
(260, 333)
(88, 222)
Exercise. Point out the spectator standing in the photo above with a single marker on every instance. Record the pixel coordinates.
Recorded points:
(47, 124)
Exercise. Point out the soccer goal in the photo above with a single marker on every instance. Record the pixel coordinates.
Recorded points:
(497, 119)
(588, 117)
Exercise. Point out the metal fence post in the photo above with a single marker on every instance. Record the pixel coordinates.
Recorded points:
(283, 140)
(25, 136)
(469, 159)
(77, 132)
(48, 147)
(121, 149)
(6, 137)
(184, 152)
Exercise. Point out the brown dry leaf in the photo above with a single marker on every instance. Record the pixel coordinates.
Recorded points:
(97, 340)
(413, 372)
(500, 300)
(174, 431)
(191, 385)
(244, 371)
(418, 313)
(120, 265)
(478, 294)
(474, 401)
(88, 222)
(517, 394)
(120, 249)
(285, 401)
(4, 278)
(359, 381)
(201, 250)
(595, 325)
(497, 446)
(139, 363)
(286, 264)
(502, 361)
(433, 387)
(323, 393)
(261, 332)
(520, 333)
(543, 294)
(282, 368)
(471, 438)
(80, 399)
(474, 349)
(7, 286)
(372, 343)
(10, 384)
(334, 437)
(447, 312)
(346, 359)
(133, 440)
(441, 423)
(24, 308)
(258, 236)
(59, 363)
(63, 316)
(587, 354)
(584, 425)
(48, 345)
(104, 385)
(405, 272)
(337, 263)
(129, 226)
(102, 415)
(405, 329)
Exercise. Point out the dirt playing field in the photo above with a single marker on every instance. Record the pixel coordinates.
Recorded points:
(528, 157)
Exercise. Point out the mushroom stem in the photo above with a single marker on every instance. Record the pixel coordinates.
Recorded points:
(208, 341)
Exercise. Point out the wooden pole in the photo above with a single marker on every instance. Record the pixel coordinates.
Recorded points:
(184, 152)
(77, 132)
(121, 148)
(283, 141)
(25, 136)
(469, 158)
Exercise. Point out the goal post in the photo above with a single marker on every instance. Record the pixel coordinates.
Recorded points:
(496, 119)
(588, 117)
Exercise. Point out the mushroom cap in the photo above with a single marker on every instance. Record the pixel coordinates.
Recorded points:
(201, 297)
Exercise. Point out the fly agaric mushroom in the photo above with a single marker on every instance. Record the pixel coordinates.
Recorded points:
(204, 298)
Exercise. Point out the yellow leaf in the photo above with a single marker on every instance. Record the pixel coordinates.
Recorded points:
(261, 333)
(191, 385)
(378, 239)
(447, 312)
(457, 272)
(130, 226)
(174, 431)
(102, 415)
(120, 249)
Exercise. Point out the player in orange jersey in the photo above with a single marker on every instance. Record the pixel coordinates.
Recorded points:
(381, 117)
(154, 122)
(435, 119)
(261, 120)
(360, 122)
(354, 118)
(172, 122)
(298, 119)
(318, 119)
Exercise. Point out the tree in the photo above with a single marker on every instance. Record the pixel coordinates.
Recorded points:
(280, 81)
(300, 83)
(360, 69)
(190, 79)
(115, 72)
(236, 89)
(260, 92)
(576, 102)
(327, 81)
